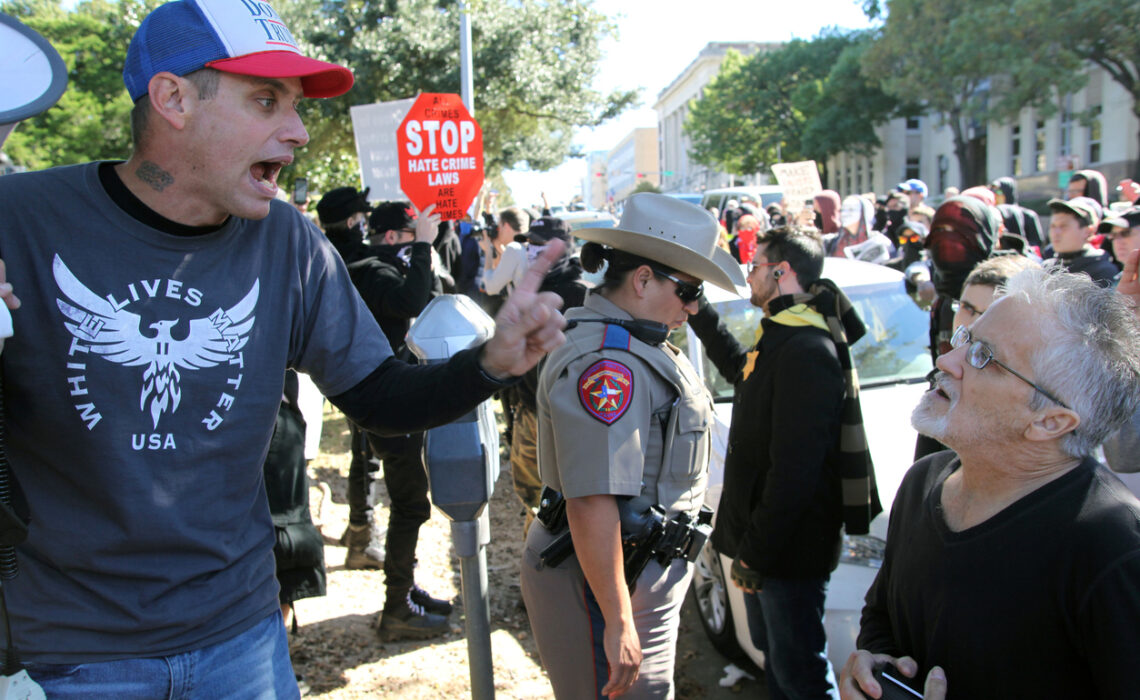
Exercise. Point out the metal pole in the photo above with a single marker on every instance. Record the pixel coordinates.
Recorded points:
(471, 537)
(466, 535)
(466, 84)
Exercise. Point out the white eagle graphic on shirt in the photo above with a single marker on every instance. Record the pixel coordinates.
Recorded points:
(117, 335)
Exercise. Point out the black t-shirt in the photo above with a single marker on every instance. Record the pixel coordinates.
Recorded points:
(1040, 601)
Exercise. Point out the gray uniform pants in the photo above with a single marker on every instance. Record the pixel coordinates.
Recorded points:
(568, 625)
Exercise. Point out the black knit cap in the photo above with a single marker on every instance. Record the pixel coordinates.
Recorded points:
(392, 216)
(340, 203)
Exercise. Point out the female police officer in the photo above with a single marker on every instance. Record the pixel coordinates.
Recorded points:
(623, 425)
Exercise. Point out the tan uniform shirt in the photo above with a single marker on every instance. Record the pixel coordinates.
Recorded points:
(625, 422)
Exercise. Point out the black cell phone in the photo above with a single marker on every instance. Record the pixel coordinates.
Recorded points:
(300, 190)
(895, 685)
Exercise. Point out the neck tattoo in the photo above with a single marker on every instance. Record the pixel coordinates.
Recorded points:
(153, 175)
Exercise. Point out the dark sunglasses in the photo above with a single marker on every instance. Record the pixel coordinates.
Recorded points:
(686, 291)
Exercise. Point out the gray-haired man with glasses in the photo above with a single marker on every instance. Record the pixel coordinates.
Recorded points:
(1012, 566)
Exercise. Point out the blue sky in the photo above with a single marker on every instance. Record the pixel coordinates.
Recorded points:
(657, 39)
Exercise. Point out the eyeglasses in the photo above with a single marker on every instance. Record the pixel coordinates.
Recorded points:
(753, 265)
(957, 305)
(979, 355)
(687, 292)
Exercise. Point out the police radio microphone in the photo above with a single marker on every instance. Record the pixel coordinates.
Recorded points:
(648, 332)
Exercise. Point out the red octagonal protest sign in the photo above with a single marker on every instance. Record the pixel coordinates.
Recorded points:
(441, 155)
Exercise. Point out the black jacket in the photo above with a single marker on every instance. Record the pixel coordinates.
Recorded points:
(1097, 264)
(781, 508)
(394, 291)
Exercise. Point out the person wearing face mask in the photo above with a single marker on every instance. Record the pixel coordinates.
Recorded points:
(394, 278)
(856, 215)
(624, 439)
(897, 206)
(343, 214)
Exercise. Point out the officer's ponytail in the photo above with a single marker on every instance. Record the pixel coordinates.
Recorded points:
(618, 264)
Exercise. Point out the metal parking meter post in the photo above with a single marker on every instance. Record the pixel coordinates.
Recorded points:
(462, 460)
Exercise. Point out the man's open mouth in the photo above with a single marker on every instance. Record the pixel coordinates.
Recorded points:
(266, 172)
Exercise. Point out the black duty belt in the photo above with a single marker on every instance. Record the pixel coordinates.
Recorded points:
(646, 533)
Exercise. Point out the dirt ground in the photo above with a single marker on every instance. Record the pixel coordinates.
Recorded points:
(340, 656)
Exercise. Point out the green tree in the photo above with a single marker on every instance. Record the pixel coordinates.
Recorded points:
(90, 120)
(646, 186)
(1101, 33)
(721, 125)
(845, 109)
(971, 62)
(533, 61)
(805, 100)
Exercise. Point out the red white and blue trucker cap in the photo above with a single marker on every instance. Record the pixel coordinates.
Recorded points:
(245, 37)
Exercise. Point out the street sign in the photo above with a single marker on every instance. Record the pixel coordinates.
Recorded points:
(441, 155)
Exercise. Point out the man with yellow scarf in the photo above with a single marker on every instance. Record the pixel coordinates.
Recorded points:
(796, 467)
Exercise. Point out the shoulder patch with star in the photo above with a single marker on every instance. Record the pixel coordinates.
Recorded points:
(606, 390)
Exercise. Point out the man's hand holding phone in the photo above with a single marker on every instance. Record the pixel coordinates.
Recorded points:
(884, 677)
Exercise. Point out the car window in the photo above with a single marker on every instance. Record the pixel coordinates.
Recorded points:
(770, 198)
(896, 347)
(893, 350)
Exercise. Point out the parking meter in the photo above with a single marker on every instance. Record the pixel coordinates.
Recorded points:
(462, 457)
(34, 77)
(462, 461)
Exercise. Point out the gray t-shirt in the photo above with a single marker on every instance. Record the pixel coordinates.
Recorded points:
(140, 391)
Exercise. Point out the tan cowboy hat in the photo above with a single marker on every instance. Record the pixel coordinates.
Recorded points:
(670, 231)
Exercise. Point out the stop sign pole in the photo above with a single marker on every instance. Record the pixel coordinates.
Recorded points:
(475, 572)
(440, 148)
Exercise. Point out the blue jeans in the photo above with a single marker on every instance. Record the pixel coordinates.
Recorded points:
(785, 620)
(254, 665)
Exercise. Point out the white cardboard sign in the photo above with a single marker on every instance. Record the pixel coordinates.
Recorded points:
(374, 127)
(800, 182)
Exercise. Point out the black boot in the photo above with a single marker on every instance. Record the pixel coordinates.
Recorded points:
(432, 605)
(404, 619)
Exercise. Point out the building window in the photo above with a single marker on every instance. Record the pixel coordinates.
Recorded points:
(1094, 134)
(1067, 127)
(1015, 151)
(912, 123)
(848, 180)
(859, 176)
(912, 163)
(870, 175)
(1039, 146)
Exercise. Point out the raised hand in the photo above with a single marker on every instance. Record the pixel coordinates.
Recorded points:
(529, 324)
(427, 224)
